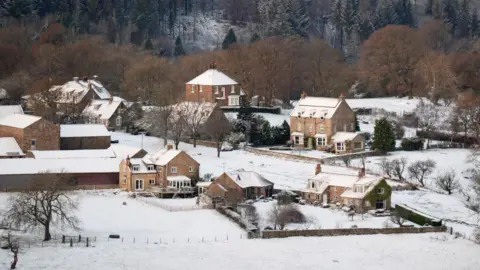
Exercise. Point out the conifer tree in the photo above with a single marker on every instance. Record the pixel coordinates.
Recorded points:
(383, 136)
(178, 51)
(357, 124)
(230, 39)
(148, 44)
(285, 131)
(246, 117)
(16, 9)
(474, 25)
(267, 138)
(429, 7)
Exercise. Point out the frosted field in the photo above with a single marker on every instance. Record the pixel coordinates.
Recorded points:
(393, 252)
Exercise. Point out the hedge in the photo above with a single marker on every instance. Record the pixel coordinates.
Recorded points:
(253, 109)
(415, 216)
(413, 144)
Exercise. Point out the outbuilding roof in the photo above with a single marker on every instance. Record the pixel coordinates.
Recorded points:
(9, 147)
(103, 109)
(18, 120)
(83, 130)
(247, 179)
(75, 165)
(212, 77)
(10, 109)
(75, 154)
(344, 136)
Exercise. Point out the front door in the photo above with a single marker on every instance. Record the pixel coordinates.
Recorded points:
(325, 199)
(380, 204)
(139, 184)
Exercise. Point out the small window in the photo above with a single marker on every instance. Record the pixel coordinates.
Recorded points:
(201, 88)
(357, 145)
(151, 181)
(193, 88)
(296, 140)
(190, 168)
(233, 89)
(135, 168)
(33, 144)
(340, 146)
(118, 121)
(216, 90)
(321, 141)
(174, 169)
(313, 184)
(150, 167)
(381, 191)
(321, 128)
(352, 126)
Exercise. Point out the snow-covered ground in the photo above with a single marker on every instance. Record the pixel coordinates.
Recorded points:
(322, 218)
(377, 252)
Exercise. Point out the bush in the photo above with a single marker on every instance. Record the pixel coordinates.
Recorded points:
(413, 144)
(399, 131)
(235, 138)
(416, 217)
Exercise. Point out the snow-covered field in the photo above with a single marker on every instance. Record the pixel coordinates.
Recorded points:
(321, 218)
(393, 252)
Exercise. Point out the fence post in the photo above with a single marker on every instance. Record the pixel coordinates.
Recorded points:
(451, 230)
(87, 241)
(63, 239)
(134, 239)
(71, 242)
(79, 238)
(122, 239)
(147, 240)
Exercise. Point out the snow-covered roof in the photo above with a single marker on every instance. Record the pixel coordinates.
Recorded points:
(10, 109)
(339, 180)
(204, 184)
(212, 77)
(74, 91)
(103, 109)
(344, 136)
(18, 120)
(163, 156)
(297, 134)
(9, 147)
(123, 151)
(247, 179)
(63, 154)
(83, 130)
(315, 107)
(74, 165)
(178, 178)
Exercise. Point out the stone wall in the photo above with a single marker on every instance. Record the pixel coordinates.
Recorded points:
(264, 152)
(355, 231)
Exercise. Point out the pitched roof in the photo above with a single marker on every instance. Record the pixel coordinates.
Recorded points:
(315, 107)
(75, 165)
(162, 157)
(123, 151)
(65, 154)
(18, 120)
(75, 91)
(344, 136)
(247, 179)
(212, 77)
(9, 147)
(103, 109)
(10, 109)
(83, 130)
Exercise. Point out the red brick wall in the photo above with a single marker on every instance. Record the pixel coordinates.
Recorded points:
(208, 93)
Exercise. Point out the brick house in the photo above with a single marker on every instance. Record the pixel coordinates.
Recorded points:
(214, 86)
(325, 123)
(9, 148)
(168, 172)
(31, 132)
(350, 187)
(106, 112)
(239, 185)
(84, 136)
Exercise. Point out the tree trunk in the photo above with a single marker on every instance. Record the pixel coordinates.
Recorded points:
(219, 148)
(194, 141)
(177, 142)
(47, 236)
(15, 260)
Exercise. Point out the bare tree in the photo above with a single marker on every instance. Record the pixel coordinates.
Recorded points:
(251, 214)
(398, 167)
(346, 160)
(448, 182)
(396, 218)
(281, 215)
(218, 129)
(196, 115)
(46, 200)
(178, 127)
(421, 169)
(13, 244)
(157, 121)
(386, 166)
(428, 117)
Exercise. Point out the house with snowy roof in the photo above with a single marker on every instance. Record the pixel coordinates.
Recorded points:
(166, 173)
(325, 123)
(107, 112)
(349, 187)
(84, 136)
(239, 185)
(214, 86)
(31, 132)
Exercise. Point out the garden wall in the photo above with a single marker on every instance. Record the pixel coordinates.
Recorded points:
(355, 231)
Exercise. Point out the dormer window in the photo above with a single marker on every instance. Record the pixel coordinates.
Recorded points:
(150, 167)
(135, 168)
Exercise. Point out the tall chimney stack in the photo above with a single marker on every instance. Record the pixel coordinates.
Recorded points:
(342, 97)
(318, 168)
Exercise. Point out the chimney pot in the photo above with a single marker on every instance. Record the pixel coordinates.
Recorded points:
(318, 168)
(75, 79)
(342, 97)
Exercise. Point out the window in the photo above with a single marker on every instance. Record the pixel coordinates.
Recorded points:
(321, 141)
(135, 168)
(321, 128)
(193, 88)
(340, 146)
(223, 92)
(352, 126)
(357, 145)
(381, 191)
(216, 90)
(313, 184)
(139, 184)
(334, 128)
(233, 89)
(233, 100)
(151, 181)
(150, 167)
(380, 204)
(310, 128)
(33, 144)
(118, 121)
(174, 169)
(201, 88)
(190, 168)
(299, 126)
(296, 139)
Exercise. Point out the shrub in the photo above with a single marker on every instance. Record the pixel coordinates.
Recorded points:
(384, 136)
(414, 144)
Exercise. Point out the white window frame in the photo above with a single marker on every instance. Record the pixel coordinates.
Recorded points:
(201, 89)
(342, 148)
(118, 121)
(150, 167)
(295, 138)
(190, 168)
(322, 141)
(193, 88)
(321, 128)
(173, 169)
(352, 126)
(233, 89)
(216, 90)
(381, 191)
(233, 100)
(361, 145)
(141, 184)
(151, 181)
(135, 168)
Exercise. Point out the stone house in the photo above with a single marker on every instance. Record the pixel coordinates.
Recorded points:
(84, 136)
(325, 123)
(9, 148)
(167, 172)
(239, 185)
(31, 132)
(214, 86)
(105, 112)
(349, 187)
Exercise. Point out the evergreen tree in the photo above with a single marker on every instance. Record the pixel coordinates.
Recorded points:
(383, 136)
(474, 25)
(284, 132)
(357, 124)
(16, 9)
(245, 112)
(256, 137)
(148, 45)
(283, 20)
(255, 37)
(463, 18)
(429, 7)
(44, 7)
(266, 133)
(230, 39)
(349, 17)
(404, 11)
(178, 51)
(449, 14)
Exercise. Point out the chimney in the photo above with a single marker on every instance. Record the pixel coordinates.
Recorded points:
(128, 160)
(361, 173)
(303, 95)
(342, 97)
(75, 79)
(89, 85)
(318, 168)
(169, 147)
(110, 100)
